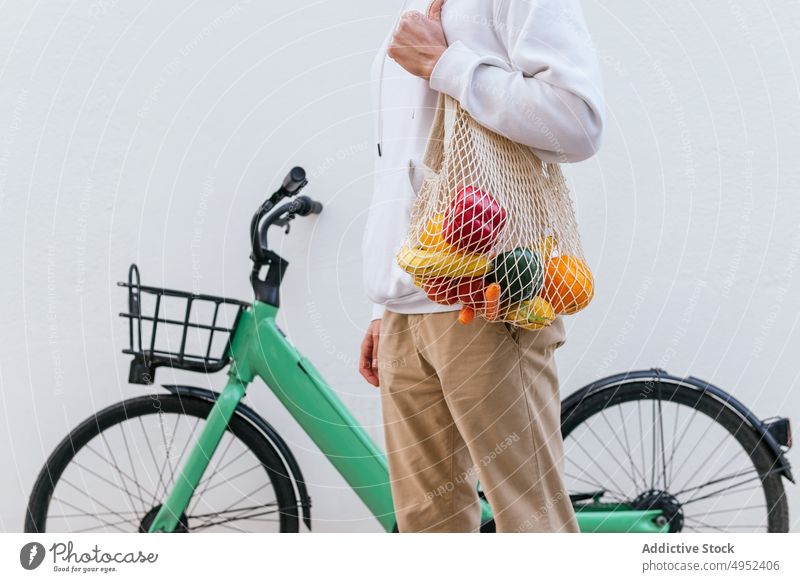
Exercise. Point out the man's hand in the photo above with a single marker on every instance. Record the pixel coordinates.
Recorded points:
(368, 363)
(419, 41)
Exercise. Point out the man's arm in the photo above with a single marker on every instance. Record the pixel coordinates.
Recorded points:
(549, 95)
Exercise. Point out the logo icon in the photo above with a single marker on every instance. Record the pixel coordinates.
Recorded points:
(31, 555)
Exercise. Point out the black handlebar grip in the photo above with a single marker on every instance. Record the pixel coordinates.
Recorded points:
(294, 180)
(305, 206)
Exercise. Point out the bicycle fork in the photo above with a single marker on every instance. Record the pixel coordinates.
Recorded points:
(173, 508)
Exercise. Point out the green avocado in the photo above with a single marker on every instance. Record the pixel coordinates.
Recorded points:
(519, 273)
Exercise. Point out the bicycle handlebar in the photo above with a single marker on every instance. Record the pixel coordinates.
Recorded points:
(305, 206)
(294, 181)
(266, 215)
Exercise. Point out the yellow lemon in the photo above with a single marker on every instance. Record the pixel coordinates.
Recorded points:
(535, 313)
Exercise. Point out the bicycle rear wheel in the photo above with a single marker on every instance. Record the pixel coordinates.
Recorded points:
(114, 470)
(678, 449)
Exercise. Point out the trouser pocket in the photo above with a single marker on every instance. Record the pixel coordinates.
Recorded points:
(512, 331)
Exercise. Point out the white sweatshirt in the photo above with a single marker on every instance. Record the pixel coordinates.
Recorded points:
(526, 69)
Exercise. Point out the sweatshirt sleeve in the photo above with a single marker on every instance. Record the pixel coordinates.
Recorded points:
(377, 311)
(549, 96)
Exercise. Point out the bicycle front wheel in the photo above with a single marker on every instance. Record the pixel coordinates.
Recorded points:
(672, 447)
(114, 470)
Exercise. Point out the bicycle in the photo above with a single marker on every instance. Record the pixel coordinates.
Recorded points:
(110, 464)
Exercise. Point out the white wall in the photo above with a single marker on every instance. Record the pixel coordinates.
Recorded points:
(148, 132)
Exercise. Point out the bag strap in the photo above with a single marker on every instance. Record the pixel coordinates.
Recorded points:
(451, 107)
(441, 132)
(434, 149)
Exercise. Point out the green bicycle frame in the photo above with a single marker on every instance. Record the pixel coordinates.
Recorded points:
(260, 349)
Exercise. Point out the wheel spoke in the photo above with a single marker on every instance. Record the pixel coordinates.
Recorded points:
(653, 434)
(719, 528)
(240, 517)
(133, 468)
(641, 437)
(683, 435)
(113, 462)
(103, 458)
(238, 510)
(674, 433)
(702, 523)
(616, 461)
(93, 514)
(189, 441)
(704, 463)
(167, 450)
(715, 512)
(634, 470)
(231, 479)
(155, 462)
(616, 494)
(592, 460)
(203, 485)
(723, 491)
(716, 480)
(219, 467)
(661, 439)
(246, 497)
(110, 482)
(627, 443)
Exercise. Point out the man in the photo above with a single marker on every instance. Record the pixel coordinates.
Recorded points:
(463, 403)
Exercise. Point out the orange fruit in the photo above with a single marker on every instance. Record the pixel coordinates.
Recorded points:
(568, 284)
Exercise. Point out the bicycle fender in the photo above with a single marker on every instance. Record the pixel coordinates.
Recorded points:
(655, 375)
(269, 433)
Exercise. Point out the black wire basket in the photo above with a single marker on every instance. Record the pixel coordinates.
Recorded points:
(179, 329)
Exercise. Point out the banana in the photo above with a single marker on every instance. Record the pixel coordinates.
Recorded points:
(419, 280)
(422, 264)
(546, 245)
(536, 313)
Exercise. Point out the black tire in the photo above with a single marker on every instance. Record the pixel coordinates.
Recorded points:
(240, 432)
(582, 427)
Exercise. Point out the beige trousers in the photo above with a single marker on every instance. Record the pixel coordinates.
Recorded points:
(469, 403)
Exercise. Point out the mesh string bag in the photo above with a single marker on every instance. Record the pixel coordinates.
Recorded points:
(493, 228)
